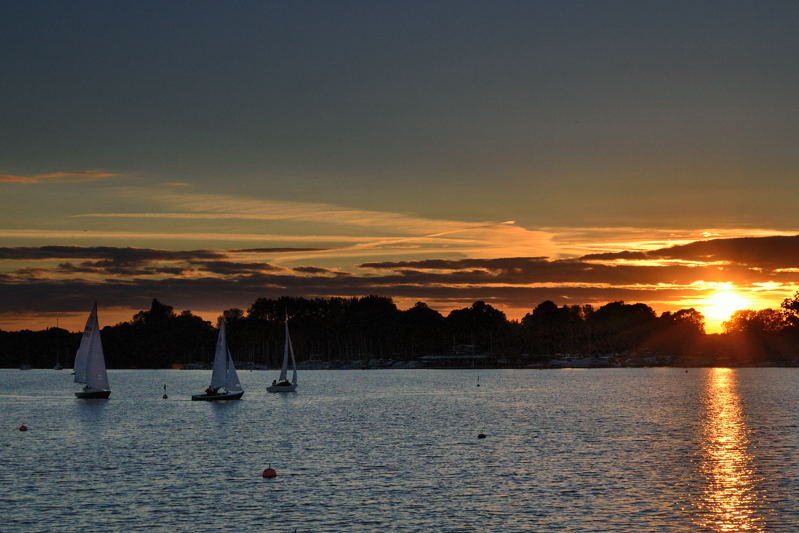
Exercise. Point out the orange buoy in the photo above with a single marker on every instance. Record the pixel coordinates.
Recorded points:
(269, 473)
(23, 427)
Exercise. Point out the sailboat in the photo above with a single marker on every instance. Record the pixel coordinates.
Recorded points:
(224, 380)
(282, 384)
(90, 361)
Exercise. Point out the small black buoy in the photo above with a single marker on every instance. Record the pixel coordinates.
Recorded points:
(164, 396)
(481, 435)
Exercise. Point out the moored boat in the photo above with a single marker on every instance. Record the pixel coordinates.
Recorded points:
(282, 384)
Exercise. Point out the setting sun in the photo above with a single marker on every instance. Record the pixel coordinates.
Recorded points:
(723, 304)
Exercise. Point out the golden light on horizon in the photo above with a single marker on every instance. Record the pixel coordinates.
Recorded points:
(723, 303)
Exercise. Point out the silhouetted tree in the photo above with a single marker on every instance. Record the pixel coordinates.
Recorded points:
(751, 321)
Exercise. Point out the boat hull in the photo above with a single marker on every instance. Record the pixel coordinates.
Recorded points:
(93, 394)
(217, 397)
(282, 388)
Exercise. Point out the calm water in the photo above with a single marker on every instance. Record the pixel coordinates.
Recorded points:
(566, 450)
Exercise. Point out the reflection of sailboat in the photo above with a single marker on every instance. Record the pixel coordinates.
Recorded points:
(90, 361)
(224, 379)
(282, 384)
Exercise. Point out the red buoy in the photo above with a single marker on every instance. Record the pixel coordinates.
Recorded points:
(23, 427)
(269, 473)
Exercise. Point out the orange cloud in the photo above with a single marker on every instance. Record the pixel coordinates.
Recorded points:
(75, 176)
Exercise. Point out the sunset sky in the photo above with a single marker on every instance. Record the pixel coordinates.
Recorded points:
(209, 153)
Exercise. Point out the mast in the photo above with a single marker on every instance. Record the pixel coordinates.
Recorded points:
(286, 347)
(293, 362)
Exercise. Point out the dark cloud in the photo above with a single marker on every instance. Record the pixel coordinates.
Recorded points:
(219, 282)
(312, 270)
(231, 268)
(762, 252)
(117, 255)
(29, 273)
(457, 264)
(521, 270)
(112, 268)
(217, 293)
(617, 255)
(279, 250)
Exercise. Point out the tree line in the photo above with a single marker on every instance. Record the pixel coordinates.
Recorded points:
(372, 327)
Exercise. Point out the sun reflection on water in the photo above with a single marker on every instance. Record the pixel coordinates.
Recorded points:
(730, 497)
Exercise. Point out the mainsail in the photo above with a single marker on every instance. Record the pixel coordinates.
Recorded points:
(82, 357)
(232, 383)
(224, 373)
(219, 375)
(90, 359)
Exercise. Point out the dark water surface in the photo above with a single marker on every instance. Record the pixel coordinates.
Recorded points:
(397, 450)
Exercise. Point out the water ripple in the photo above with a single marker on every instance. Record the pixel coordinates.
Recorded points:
(601, 450)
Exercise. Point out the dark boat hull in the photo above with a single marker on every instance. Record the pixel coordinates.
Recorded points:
(282, 388)
(217, 397)
(94, 394)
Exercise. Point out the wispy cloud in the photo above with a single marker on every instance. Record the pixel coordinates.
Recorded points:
(214, 207)
(193, 236)
(74, 176)
(371, 230)
(366, 229)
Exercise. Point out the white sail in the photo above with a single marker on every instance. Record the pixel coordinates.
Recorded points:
(90, 359)
(82, 356)
(219, 374)
(96, 375)
(232, 383)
